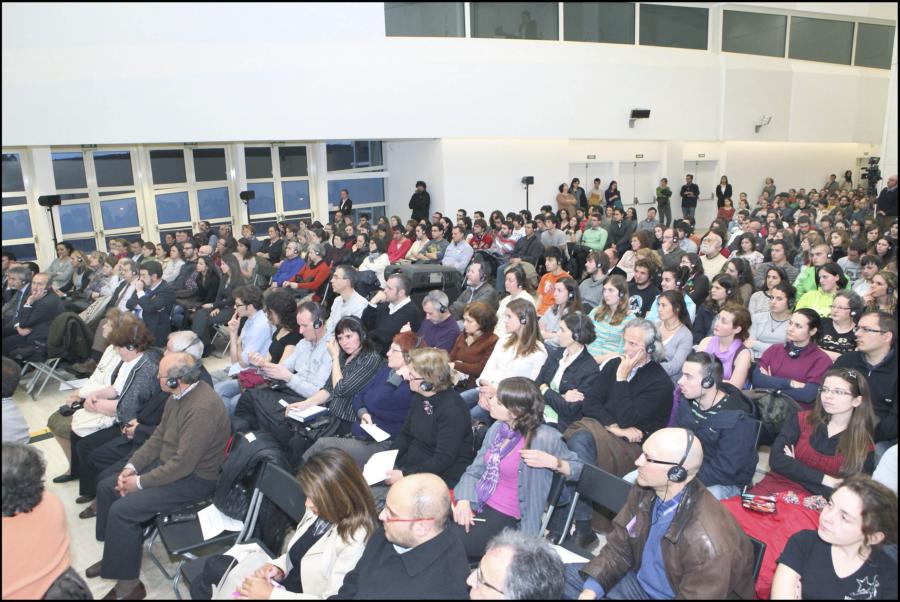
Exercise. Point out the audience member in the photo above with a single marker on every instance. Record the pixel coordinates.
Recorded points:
(837, 335)
(517, 286)
(312, 275)
(698, 284)
(871, 265)
(610, 320)
(347, 302)
(723, 293)
(770, 327)
(15, 428)
(829, 279)
(376, 261)
(566, 300)
(32, 326)
(675, 332)
(727, 344)
(477, 288)
(807, 280)
(474, 345)
(389, 310)
(524, 567)
(438, 329)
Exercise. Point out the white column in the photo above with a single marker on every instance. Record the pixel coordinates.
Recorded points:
(318, 181)
(43, 183)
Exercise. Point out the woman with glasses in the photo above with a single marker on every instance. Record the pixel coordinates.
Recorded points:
(837, 335)
(508, 482)
(830, 279)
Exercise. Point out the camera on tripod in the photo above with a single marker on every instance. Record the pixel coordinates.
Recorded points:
(872, 174)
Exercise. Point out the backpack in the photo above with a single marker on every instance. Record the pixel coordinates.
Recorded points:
(240, 470)
(69, 338)
(774, 408)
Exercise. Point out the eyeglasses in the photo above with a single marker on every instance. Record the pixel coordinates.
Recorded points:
(479, 579)
(869, 330)
(834, 307)
(388, 518)
(652, 461)
(830, 391)
(236, 305)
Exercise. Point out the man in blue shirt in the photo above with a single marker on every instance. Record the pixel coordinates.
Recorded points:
(672, 539)
(459, 252)
(290, 266)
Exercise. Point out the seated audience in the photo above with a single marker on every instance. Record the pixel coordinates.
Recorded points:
(807, 280)
(521, 353)
(35, 535)
(152, 301)
(271, 248)
(674, 327)
(796, 368)
(611, 318)
(509, 480)
(207, 288)
(846, 558)
(340, 517)
(635, 400)
(778, 251)
(637, 241)
(517, 286)
(178, 465)
(570, 375)
(697, 285)
(547, 285)
(673, 279)
(818, 448)
(882, 295)
(829, 280)
(710, 558)
(727, 344)
(210, 315)
(759, 301)
(740, 270)
(477, 288)
(871, 265)
(523, 567)
(458, 253)
(437, 434)
(876, 357)
(389, 310)
(723, 291)
(642, 290)
(312, 275)
(771, 327)
(566, 300)
(591, 288)
(438, 329)
(474, 345)
(837, 335)
(415, 555)
(399, 245)
(723, 420)
(376, 261)
(31, 327)
(711, 252)
(290, 266)
(348, 302)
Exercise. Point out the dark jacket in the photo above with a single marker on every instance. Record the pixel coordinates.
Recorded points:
(141, 386)
(346, 206)
(707, 555)
(209, 288)
(883, 384)
(420, 202)
(382, 326)
(485, 293)
(721, 194)
(887, 201)
(434, 570)
(38, 317)
(471, 359)
(689, 201)
(386, 398)
(582, 374)
(703, 321)
(728, 438)
(187, 270)
(529, 249)
(156, 310)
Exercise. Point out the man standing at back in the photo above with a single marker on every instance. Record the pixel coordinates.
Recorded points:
(690, 192)
(415, 556)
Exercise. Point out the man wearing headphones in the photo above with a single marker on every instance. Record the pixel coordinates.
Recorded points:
(438, 329)
(723, 420)
(348, 302)
(711, 253)
(477, 289)
(672, 539)
(178, 465)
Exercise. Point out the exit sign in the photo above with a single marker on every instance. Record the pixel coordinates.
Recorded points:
(701, 155)
(639, 156)
(592, 156)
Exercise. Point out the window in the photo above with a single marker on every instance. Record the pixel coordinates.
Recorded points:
(823, 40)
(674, 26)
(12, 173)
(754, 33)
(515, 20)
(75, 219)
(874, 44)
(611, 23)
(12, 201)
(172, 208)
(16, 224)
(213, 203)
(85, 245)
(369, 190)
(68, 170)
(113, 169)
(167, 166)
(23, 252)
(293, 161)
(426, 19)
(264, 201)
(295, 195)
(120, 214)
(353, 154)
(259, 162)
(209, 164)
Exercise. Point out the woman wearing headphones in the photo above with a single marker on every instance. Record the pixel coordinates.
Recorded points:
(566, 300)
(770, 327)
(759, 301)
(437, 434)
(882, 295)
(509, 480)
(610, 319)
(697, 283)
(474, 344)
(674, 279)
(731, 329)
(838, 333)
(570, 375)
(724, 291)
(674, 331)
(518, 287)
(830, 279)
(740, 270)
(521, 354)
(797, 367)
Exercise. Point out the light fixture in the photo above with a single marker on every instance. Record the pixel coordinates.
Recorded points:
(763, 121)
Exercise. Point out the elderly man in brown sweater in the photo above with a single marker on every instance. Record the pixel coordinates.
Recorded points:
(178, 465)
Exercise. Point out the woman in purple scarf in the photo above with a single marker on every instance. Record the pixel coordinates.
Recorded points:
(508, 483)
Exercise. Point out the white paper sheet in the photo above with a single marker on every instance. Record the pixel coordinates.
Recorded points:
(375, 432)
(213, 522)
(567, 556)
(72, 384)
(234, 369)
(379, 465)
(304, 415)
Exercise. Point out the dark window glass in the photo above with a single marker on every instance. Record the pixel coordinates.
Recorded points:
(264, 202)
(261, 227)
(368, 190)
(75, 219)
(674, 26)
(754, 33)
(213, 203)
(120, 214)
(85, 245)
(822, 40)
(259, 162)
(113, 168)
(16, 224)
(425, 19)
(172, 208)
(608, 22)
(295, 195)
(74, 196)
(167, 166)
(350, 154)
(209, 164)
(24, 252)
(130, 236)
(516, 20)
(874, 44)
(68, 170)
(12, 201)
(293, 161)
(12, 173)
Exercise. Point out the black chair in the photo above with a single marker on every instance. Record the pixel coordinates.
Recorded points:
(759, 550)
(756, 446)
(556, 489)
(601, 488)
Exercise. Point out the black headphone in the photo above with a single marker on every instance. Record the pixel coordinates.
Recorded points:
(651, 348)
(889, 290)
(523, 319)
(709, 380)
(426, 386)
(315, 311)
(571, 295)
(793, 352)
(172, 383)
(678, 473)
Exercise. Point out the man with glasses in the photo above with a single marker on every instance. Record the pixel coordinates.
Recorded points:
(876, 358)
(415, 555)
(670, 252)
(516, 566)
(290, 266)
(348, 302)
(32, 325)
(672, 539)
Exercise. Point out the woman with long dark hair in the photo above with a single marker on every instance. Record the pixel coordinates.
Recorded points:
(566, 300)
(209, 315)
(697, 285)
(724, 290)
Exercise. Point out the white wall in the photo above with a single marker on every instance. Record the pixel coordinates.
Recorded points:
(154, 73)
(409, 161)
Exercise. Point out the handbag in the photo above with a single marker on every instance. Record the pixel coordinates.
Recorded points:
(250, 378)
(87, 422)
(95, 309)
(247, 559)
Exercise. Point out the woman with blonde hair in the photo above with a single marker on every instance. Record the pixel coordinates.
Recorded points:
(610, 319)
(882, 295)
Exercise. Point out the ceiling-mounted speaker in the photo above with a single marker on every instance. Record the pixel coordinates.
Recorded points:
(49, 200)
(640, 113)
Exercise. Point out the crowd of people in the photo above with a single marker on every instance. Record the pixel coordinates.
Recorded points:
(580, 336)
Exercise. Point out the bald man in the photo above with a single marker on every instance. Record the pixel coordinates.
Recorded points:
(415, 556)
(672, 539)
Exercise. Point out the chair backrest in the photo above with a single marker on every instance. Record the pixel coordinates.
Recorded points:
(759, 550)
(603, 488)
(283, 490)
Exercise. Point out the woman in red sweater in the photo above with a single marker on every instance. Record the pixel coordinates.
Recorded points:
(474, 344)
(313, 274)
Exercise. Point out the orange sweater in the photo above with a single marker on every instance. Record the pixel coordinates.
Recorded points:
(35, 549)
(545, 290)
